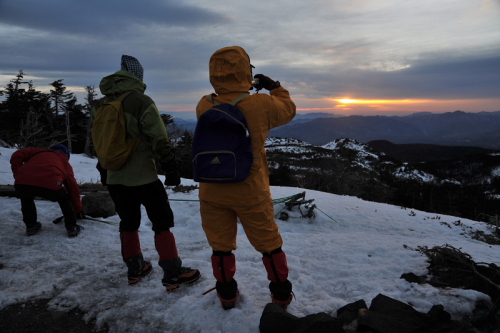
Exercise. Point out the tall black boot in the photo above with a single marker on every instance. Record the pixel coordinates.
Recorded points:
(137, 268)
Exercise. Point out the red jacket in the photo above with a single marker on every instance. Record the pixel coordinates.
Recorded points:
(46, 168)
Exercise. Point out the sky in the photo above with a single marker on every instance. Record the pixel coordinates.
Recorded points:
(339, 56)
(350, 250)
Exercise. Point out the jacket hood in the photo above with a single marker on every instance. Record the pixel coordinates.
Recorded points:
(230, 70)
(121, 82)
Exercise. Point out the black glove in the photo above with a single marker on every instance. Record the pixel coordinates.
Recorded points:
(80, 216)
(103, 172)
(266, 82)
(172, 177)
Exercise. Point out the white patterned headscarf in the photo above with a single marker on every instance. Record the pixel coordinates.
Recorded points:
(132, 65)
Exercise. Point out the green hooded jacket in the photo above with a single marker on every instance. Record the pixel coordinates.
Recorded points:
(143, 121)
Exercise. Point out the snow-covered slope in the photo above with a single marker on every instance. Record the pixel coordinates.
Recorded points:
(352, 249)
(355, 154)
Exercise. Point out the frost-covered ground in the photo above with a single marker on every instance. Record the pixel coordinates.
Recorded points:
(351, 250)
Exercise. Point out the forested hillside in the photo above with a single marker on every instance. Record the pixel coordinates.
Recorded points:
(29, 117)
(467, 186)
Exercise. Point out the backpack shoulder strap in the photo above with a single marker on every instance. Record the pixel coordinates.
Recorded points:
(124, 95)
(237, 99)
(211, 99)
(112, 98)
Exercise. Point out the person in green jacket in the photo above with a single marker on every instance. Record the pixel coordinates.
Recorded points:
(136, 183)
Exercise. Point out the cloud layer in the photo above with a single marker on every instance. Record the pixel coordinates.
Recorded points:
(322, 51)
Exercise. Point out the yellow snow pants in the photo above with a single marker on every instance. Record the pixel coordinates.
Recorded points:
(219, 221)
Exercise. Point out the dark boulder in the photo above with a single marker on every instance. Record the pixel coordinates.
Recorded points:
(98, 204)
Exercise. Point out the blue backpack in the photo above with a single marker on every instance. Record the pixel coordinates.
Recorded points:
(222, 147)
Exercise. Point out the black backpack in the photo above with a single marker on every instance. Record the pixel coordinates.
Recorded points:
(222, 147)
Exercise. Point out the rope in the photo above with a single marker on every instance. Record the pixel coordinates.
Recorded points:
(107, 222)
(331, 218)
(278, 201)
(59, 219)
(275, 201)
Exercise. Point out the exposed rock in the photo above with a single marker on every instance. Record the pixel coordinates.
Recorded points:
(35, 316)
(98, 204)
(275, 319)
(8, 191)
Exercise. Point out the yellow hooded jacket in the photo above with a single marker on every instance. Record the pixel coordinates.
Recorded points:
(231, 75)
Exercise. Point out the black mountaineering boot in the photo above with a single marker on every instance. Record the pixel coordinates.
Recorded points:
(33, 229)
(175, 274)
(74, 230)
(228, 293)
(281, 293)
(137, 268)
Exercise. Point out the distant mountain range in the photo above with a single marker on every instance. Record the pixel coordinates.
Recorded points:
(481, 129)
(457, 128)
(421, 152)
(188, 124)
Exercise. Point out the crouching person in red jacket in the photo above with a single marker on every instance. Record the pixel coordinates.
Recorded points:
(46, 173)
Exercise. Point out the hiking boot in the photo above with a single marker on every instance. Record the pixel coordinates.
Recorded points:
(33, 229)
(282, 302)
(74, 230)
(135, 276)
(228, 304)
(186, 275)
(281, 293)
(228, 293)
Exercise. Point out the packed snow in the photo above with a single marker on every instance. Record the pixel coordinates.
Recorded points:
(352, 249)
(360, 148)
(289, 145)
(406, 172)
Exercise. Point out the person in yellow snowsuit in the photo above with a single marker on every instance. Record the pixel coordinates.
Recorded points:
(221, 205)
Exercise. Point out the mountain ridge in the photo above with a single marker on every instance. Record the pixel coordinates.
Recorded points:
(457, 128)
(421, 152)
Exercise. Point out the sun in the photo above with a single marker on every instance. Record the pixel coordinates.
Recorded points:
(347, 100)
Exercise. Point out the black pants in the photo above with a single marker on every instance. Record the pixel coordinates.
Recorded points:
(28, 207)
(128, 200)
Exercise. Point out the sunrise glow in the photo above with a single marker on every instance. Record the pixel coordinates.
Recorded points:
(379, 101)
(347, 105)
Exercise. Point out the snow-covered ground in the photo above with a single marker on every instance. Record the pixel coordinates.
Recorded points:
(351, 250)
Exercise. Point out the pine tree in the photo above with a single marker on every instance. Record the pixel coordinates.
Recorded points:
(183, 153)
(167, 119)
(62, 101)
(76, 124)
(90, 98)
(19, 110)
